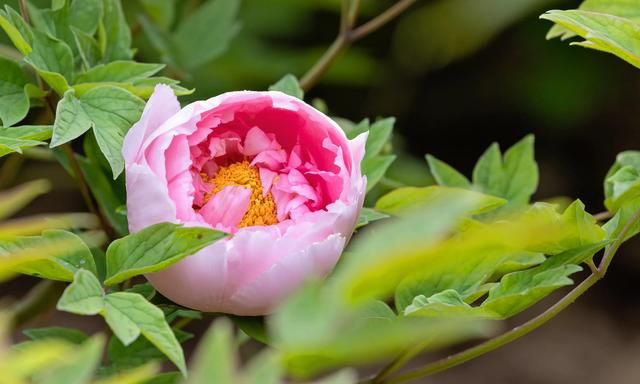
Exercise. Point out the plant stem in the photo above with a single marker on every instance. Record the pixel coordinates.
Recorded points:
(348, 35)
(23, 11)
(84, 188)
(516, 333)
(602, 216)
(380, 20)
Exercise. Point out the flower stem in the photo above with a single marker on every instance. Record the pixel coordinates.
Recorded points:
(348, 35)
(516, 333)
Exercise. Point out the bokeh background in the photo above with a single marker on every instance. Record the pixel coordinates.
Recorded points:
(457, 75)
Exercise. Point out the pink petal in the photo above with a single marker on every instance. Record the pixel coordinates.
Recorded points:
(227, 207)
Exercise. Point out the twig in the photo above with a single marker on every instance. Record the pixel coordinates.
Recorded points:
(348, 35)
(515, 333)
(84, 189)
(602, 216)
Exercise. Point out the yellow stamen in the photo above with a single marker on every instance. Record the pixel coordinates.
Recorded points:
(262, 209)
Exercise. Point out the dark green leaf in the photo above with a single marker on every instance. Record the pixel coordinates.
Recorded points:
(289, 85)
(71, 335)
(71, 255)
(155, 248)
(115, 32)
(446, 175)
(119, 71)
(14, 101)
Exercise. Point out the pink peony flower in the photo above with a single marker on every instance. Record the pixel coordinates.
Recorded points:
(277, 174)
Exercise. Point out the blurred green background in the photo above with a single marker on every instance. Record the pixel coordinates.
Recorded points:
(457, 75)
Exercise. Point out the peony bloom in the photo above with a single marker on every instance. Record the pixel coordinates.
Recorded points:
(277, 174)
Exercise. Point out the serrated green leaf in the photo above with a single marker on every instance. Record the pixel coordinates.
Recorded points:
(602, 32)
(368, 215)
(155, 248)
(61, 264)
(375, 167)
(289, 85)
(71, 335)
(130, 314)
(215, 360)
(406, 199)
(446, 304)
(216, 19)
(117, 35)
(14, 101)
(84, 296)
(119, 71)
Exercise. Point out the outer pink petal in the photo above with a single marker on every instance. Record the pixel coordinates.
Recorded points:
(162, 105)
(264, 293)
(143, 188)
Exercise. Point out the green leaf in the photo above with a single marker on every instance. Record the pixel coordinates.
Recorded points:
(15, 139)
(514, 178)
(130, 314)
(264, 369)
(315, 332)
(85, 15)
(16, 198)
(375, 167)
(53, 60)
(406, 199)
(80, 368)
(155, 248)
(379, 136)
(84, 296)
(113, 111)
(110, 111)
(119, 71)
(116, 33)
(71, 120)
(64, 261)
(289, 85)
(446, 304)
(622, 183)
(368, 215)
(252, 326)
(14, 101)
(71, 335)
(601, 32)
(162, 12)
(138, 353)
(109, 194)
(20, 41)
(215, 360)
(622, 8)
(145, 289)
(519, 290)
(215, 19)
(446, 175)
(87, 47)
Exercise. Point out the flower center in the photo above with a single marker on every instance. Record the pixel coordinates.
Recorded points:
(262, 209)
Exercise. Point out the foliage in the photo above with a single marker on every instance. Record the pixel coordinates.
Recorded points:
(434, 265)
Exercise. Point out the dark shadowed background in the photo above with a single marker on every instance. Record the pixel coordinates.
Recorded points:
(457, 75)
